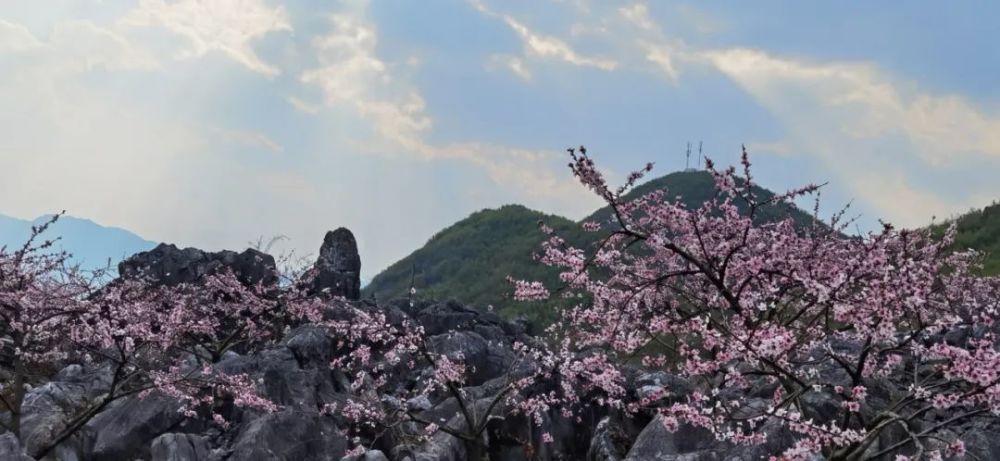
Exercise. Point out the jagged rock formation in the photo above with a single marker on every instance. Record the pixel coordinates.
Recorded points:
(337, 271)
(168, 265)
(295, 374)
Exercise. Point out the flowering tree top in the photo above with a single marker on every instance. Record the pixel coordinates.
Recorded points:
(847, 336)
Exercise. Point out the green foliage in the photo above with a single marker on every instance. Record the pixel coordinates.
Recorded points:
(470, 260)
(695, 188)
(979, 230)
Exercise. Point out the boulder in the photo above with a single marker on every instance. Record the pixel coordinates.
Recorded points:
(438, 447)
(290, 435)
(11, 449)
(47, 409)
(337, 271)
(442, 318)
(484, 360)
(311, 346)
(603, 446)
(646, 385)
(179, 447)
(169, 265)
(124, 431)
(282, 380)
(687, 443)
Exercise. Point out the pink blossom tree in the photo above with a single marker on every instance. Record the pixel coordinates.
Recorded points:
(146, 338)
(166, 340)
(376, 353)
(35, 304)
(857, 340)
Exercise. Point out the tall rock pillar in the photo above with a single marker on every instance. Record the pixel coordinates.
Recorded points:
(338, 268)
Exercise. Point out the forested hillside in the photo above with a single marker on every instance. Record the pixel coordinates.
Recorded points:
(980, 230)
(470, 260)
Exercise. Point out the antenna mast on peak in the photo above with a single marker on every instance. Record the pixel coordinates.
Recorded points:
(687, 160)
(699, 155)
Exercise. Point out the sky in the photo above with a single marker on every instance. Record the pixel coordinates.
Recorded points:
(213, 123)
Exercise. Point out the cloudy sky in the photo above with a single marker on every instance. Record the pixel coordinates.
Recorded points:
(209, 123)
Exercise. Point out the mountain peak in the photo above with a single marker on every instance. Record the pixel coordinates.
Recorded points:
(89, 244)
(469, 260)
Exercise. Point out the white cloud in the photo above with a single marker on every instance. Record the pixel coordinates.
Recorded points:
(513, 64)
(15, 38)
(303, 106)
(550, 47)
(844, 113)
(73, 46)
(546, 46)
(95, 147)
(251, 139)
(661, 55)
(92, 46)
(580, 29)
(351, 75)
(649, 39)
(863, 102)
(226, 26)
(638, 14)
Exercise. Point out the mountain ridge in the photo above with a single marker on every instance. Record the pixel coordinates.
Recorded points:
(468, 261)
(90, 244)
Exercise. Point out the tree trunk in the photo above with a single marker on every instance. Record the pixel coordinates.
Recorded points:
(475, 451)
(17, 396)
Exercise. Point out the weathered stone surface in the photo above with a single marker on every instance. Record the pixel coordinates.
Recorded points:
(687, 443)
(11, 449)
(370, 455)
(283, 381)
(168, 265)
(48, 409)
(179, 447)
(337, 271)
(440, 446)
(441, 318)
(124, 431)
(311, 346)
(485, 360)
(646, 385)
(290, 435)
(603, 446)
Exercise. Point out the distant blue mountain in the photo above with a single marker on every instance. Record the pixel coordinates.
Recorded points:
(91, 245)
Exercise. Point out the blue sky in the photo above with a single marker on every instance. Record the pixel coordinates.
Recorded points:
(210, 123)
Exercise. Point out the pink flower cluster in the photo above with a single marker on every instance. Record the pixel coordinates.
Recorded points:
(732, 299)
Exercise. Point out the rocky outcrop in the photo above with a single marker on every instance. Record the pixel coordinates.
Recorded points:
(168, 265)
(337, 271)
(126, 430)
(180, 447)
(11, 449)
(604, 445)
(290, 435)
(48, 408)
(686, 443)
(295, 374)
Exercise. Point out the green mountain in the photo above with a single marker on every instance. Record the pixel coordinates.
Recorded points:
(469, 260)
(695, 188)
(979, 230)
